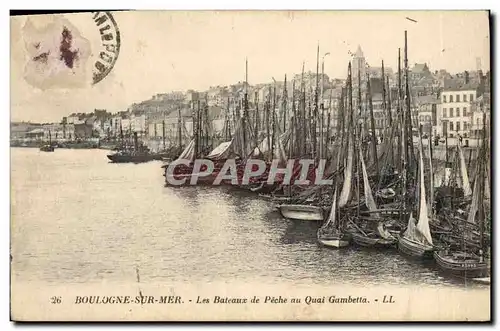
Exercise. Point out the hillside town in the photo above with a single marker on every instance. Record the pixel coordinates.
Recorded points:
(450, 104)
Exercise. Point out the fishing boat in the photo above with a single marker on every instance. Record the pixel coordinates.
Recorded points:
(138, 154)
(465, 254)
(461, 264)
(48, 147)
(302, 212)
(416, 241)
(331, 233)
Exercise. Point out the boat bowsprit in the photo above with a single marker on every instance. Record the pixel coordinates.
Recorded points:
(301, 212)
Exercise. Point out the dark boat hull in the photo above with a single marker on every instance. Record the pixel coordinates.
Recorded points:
(364, 241)
(415, 249)
(464, 269)
(47, 149)
(116, 158)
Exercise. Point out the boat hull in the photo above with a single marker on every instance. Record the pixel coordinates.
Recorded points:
(415, 249)
(335, 240)
(465, 269)
(302, 212)
(47, 149)
(364, 241)
(115, 158)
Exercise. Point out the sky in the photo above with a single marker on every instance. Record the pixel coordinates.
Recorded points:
(164, 51)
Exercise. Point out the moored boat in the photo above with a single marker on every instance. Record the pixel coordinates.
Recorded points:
(47, 148)
(372, 240)
(301, 212)
(416, 241)
(461, 264)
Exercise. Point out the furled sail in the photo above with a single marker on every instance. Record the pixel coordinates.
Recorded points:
(221, 152)
(423, 217)
(346, 187)
(474, 207)
(370, 201)
(465, 176)
(188, 152)
(333, 212)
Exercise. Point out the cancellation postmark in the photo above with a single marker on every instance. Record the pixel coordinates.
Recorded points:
(110, 47)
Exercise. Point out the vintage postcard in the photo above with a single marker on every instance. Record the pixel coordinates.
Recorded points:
(251, 166)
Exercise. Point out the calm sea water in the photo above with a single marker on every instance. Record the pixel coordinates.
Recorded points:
(77, 218)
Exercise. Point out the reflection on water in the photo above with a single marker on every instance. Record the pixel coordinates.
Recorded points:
(78, 218)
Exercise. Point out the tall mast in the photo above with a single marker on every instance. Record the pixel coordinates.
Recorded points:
(257, 119)
(245, 110)
(408, 105)
(179, 129)
(302, 110)
(384, 104)
(163, 133)
(268, 113)
(196, 124)
(372, 121)
(294, 120)
(273, 121)
(399, 113)
(315, 114)
(284, 103)
(391, 129)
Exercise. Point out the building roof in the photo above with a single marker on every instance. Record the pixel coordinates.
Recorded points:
(420, 68)
(459, 85)
(426, 99)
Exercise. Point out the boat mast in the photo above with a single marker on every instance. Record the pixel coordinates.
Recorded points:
(316, 112)
(389, 113)
(399, 137)
(163, 133)
(294, 121)
(268, 124)
(284, 102)
(481, 159)
(273, 121)
(408, 105)
(372, 122)
(245, 110)
(322, 108)
(303, 113)
(179, 129)
(195, 129)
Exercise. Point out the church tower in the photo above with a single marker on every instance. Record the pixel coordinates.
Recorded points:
(358, 62)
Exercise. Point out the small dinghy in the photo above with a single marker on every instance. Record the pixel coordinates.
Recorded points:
(301, 212)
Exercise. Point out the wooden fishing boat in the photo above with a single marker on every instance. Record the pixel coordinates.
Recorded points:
(416, 241)
(335, 239)
(462, 264)
(331, 233)
(466, 256)
(372, 240)
(47, 148)
(301, 212)
(415, 248)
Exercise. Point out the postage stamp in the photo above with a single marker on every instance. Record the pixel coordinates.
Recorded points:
(59, 56)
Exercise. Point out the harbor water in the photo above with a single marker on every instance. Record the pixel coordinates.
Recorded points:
(77, 218)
